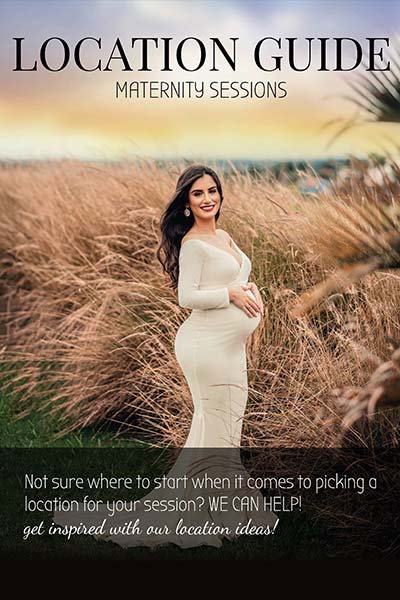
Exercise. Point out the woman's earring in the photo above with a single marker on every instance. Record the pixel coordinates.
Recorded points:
(186, 212)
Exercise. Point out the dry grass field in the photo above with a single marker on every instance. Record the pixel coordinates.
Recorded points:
(88, 320)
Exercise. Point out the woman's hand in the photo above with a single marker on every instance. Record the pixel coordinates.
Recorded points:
(257, 295)
(238, 296)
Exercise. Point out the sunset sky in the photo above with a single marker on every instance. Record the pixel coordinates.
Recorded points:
(76, 114)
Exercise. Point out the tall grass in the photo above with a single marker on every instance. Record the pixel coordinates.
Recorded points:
(88, 320)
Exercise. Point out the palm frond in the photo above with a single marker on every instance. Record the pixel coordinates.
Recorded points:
(376, 94)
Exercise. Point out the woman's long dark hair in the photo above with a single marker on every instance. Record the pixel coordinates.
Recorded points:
(174, 225)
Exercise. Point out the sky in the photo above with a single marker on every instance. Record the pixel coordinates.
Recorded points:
(76, 114)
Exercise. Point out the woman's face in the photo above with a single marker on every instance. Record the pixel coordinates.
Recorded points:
(204, 198)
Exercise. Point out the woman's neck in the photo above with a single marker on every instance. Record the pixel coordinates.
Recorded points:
(204, 231)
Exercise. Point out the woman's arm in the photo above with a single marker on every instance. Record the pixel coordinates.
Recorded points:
(191, 259)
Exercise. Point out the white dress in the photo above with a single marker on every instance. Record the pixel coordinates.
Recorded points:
(211, 344)
(210, 347)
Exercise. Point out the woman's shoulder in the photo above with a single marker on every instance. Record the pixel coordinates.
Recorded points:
(190, 245)
(223, 232)
(192, 236)
(188, 238)
(225, 235)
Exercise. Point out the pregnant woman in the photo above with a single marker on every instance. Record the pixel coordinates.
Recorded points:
(210, 273)
(213, 281)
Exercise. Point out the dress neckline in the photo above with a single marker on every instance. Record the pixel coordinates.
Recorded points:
(220, 249)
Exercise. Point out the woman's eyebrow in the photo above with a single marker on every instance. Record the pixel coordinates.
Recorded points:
(210, 188)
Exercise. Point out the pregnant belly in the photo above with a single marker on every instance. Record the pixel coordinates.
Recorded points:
(240, 324)
(220, 326)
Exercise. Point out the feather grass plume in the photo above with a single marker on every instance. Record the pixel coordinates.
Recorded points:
(356, 237)
(361, 404)
(357, 232)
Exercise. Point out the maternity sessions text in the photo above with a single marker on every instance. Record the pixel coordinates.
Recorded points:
(171, 90)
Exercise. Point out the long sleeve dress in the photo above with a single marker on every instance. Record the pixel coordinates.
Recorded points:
(210, 345)
(210, 349)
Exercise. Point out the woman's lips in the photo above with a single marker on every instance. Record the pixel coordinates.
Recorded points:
(208, 208)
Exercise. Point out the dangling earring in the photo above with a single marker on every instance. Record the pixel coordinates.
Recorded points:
(186, 212)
